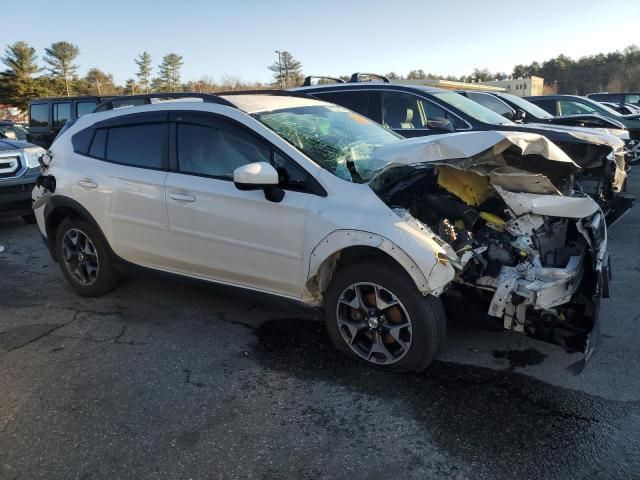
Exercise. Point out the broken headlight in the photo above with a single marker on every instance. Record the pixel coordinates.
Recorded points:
(31, 156)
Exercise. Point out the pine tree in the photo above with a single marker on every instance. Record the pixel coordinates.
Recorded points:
(287, 71)
(144, 71)
(169, 80)
(60, 57)
(18, 81)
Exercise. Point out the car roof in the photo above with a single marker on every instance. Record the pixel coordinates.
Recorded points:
(253, 103)
(369, 86)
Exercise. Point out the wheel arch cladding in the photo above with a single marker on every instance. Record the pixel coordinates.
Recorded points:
(349, 246)
(56, 210)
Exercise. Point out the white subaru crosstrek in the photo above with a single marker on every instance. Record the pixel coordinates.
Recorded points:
(300, 198)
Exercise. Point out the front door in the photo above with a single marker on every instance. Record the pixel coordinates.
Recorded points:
(220, 232)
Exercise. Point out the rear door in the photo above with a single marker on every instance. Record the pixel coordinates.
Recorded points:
(230, 235)
(125, 169)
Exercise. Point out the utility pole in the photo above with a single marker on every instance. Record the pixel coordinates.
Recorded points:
(280, 68)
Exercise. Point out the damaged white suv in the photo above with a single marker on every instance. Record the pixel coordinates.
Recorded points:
(304, 199)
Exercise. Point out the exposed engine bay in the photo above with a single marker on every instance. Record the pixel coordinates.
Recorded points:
(529, 254)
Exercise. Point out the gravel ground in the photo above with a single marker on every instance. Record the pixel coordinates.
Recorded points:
(167, 379)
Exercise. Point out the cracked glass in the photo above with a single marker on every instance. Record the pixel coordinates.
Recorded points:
(337, 139)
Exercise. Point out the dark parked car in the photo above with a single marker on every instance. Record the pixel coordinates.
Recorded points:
(47, 116)
(623, 108)
(12, 131)
(561, 105)
(413, 110)
(517, 108)
(620, 98)
(511, 106)
(19, 169)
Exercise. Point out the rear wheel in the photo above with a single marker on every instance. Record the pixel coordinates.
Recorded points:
(375, 313)
(84, 259)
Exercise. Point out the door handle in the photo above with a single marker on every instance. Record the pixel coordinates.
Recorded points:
(181, 197)
(87, 183)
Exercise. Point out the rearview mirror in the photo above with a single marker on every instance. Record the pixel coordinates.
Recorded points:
(259, 176)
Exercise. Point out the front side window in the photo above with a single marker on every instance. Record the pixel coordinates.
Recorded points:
(526, 106)
(570, 107)
(61, 113)
(82, 108)
(214, 152)
(491, 103)
(137, 145)
(404, 111)
(39, 115)
(337, 139)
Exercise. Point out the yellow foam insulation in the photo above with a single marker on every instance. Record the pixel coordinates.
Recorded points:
(471, 188)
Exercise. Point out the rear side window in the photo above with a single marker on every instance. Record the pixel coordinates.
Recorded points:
(137, 145)
(61, 113)
(213, 152)
(39, 115)
(548, 105)
(82, 108)
(366, 104)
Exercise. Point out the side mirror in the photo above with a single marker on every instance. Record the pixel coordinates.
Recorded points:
(259, 176)
(443, 124)
(520, 115)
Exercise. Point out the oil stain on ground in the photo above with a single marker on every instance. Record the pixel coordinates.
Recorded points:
(520, 358)
(505, 423)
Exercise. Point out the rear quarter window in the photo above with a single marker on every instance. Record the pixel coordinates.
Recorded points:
(138, 145)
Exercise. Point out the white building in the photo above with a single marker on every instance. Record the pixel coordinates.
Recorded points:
(522, 87)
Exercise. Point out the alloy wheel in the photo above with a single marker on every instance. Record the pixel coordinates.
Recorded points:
(80, 256)
(374, 323)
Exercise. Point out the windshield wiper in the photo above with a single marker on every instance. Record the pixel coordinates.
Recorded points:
(355, 176)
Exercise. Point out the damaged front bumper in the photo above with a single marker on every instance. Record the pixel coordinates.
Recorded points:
(557, 305)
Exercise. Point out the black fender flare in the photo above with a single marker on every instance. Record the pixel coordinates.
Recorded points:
(53, 205)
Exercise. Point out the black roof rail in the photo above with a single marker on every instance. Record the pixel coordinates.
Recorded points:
(356, 77)
(308, 79)
(145, 99)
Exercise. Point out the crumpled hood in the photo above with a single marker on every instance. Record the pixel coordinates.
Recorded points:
(477, 151)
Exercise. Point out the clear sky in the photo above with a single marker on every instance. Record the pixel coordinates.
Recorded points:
(330, 37)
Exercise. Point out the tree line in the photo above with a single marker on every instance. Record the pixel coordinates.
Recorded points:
(57, 75)
(26, 77)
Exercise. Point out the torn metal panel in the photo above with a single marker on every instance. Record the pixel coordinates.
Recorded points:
(549, 205)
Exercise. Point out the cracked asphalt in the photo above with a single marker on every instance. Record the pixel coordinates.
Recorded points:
(167, 379)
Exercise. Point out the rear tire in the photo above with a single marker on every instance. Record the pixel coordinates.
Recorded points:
(366, 306)
(84, 259)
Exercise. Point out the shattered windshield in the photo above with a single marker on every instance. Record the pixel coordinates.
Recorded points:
(337, 139)
(471, 108)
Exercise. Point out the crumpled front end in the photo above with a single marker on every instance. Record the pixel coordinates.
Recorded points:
(535, 258)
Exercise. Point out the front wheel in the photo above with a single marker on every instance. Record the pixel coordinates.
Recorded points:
(375, 313)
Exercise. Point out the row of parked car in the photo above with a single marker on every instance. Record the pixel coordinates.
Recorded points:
(316, 194)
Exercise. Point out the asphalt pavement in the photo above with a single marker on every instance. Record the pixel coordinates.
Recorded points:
(166, 379)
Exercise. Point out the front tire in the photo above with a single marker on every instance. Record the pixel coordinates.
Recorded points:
(84, 258)
(374, 312)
